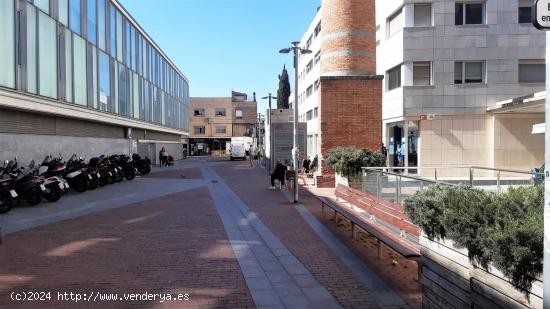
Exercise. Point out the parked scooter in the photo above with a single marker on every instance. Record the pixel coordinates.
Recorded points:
(77, 175)
(105, 175)
(27, 186)
(142, 165)
(52, 171)
(7, 194)
(125, 164)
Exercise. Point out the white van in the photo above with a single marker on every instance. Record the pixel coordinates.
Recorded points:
(237, 151)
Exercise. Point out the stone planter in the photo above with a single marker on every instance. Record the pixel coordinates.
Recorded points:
(354, 181)
(449, 280)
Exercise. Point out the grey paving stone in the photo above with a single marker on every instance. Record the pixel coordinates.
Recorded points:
(284, 289)
(287, 260)
(317, 294)
(260, 249)
(278, 276)
(271, 265)
(281, 252)
(305, 281)
(297, 302)
(266, 257)
(249, 262)
(266, 298)
(252, 272)
(260, 283)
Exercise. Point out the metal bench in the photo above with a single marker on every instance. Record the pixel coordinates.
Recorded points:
(398, 242)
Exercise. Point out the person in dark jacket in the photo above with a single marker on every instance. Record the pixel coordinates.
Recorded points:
(279, 174)
(305, 165)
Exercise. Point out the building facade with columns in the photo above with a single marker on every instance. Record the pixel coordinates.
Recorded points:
(338, 88)
(83, 77)
(454, 71)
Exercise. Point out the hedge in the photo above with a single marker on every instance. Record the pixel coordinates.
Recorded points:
(500, 229)
(348, 161)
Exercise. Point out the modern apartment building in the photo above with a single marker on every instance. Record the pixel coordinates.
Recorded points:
(338, 88)
(82, 76)
(214, 120)
(449, 67)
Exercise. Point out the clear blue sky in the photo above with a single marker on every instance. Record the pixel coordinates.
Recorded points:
(224, 45)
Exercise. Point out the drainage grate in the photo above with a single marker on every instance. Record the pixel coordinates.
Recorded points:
(214, 181)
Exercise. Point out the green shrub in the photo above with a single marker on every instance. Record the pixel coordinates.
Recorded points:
(348, 161)
(502, 229)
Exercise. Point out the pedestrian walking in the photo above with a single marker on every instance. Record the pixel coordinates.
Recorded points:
(163, 157)
(278, 174)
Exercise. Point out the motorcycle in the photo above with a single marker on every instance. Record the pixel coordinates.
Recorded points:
(52, 170)
(27, 186)
(76, 174)
(105, 176)
(7, 194)
(125, 164)
(143, 166)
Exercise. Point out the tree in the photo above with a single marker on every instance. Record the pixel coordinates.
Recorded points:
(284, 90)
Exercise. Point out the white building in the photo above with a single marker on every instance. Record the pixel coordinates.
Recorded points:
(447, 65)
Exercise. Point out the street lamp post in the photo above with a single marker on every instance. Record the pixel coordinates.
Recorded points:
(270, 132)
(295, 151)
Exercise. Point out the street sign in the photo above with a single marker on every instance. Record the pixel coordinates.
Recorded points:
(540, 14)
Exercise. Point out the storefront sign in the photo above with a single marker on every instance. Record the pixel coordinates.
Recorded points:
(540, 14)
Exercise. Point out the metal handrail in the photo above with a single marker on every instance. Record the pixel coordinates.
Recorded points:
(416, 178)
(449, 167)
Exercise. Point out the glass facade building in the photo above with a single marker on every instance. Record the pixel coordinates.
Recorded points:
(90, 53)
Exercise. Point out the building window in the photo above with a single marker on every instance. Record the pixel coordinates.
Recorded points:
(74, 16)
(44, 5)
(7, 54)
(119, 37)
(317, 57)
(469, 72)
(47, 56)
(101, 24)
(79, 77)
(394, 78)
(239, 113)
(422, 74)
(199, 112)
(220, 112)
(68, 39)
(469, 13)
(316, 84)
(524, 11)
(309, 66)
(309, 115)
(220, 130)
(112, 31)
(308, 43)
(317, 29)
(198, 130)
(316, 112)
(63, 12)
(395, 23)
(104, 82)
(422, 15)
(532, 71)
(91, 27)
(309, 91)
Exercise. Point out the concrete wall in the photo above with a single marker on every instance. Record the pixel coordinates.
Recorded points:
(29, 146)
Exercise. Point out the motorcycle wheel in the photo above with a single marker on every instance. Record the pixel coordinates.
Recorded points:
(55, 193)
(6, 203)
(118, 176)
(109, 179)
(93, 184)
(146, 169)
(129, 173)
(34, 196)
(80, 184)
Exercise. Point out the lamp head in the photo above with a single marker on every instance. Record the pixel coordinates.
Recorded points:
(305, 51)
(284, 51)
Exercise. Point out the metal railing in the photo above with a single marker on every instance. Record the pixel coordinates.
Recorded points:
(391, 185)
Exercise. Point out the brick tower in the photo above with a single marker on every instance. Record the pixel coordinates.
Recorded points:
(350, 90)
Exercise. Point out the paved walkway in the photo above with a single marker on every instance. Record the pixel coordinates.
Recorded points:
(217, 234)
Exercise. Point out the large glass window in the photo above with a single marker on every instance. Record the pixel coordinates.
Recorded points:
(119, 51)
(47, 56)
(104, 82)
(531, 71)
(123, 91)
(7, 39)
(100, 24)
(135, 99)
(422, 74)
(469, 72)
(113, 102)
(92, 22)
(74, 16)
(63, 11)
(92, 76)
(79, 78)
(68, 66)
(44, 5)
(394, 78)
(112, 31)
(422, 15)
(469, 13)
(395, 23)
(31, 63)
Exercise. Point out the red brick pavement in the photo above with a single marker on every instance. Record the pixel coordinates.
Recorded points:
(172, 244)
(289, 226)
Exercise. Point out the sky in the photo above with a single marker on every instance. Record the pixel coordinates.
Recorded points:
(224, 45)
